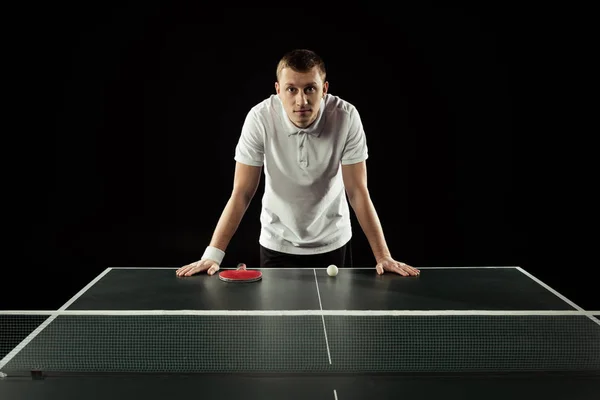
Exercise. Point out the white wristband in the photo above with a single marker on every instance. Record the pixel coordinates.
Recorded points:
(214, 254)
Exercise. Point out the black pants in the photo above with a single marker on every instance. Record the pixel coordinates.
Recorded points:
(341, 257)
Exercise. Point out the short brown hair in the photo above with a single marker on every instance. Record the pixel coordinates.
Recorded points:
(301, 60)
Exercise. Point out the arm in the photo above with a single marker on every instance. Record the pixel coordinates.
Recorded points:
(245, 183)
(355, 181)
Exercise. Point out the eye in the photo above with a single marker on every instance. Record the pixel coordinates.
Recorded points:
(291, 89)
(311, 89)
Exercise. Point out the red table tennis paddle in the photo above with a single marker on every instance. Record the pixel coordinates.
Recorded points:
(241, 274)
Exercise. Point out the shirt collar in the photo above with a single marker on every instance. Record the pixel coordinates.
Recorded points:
(314, 129)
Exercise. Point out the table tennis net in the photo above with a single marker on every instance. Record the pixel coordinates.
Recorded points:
(296, 342)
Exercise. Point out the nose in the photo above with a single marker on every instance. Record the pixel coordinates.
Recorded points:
(301, 99)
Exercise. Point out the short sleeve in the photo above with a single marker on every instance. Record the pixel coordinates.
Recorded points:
(250, 146)
(355, 148)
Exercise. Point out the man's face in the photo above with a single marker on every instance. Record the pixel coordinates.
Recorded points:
(301, 94)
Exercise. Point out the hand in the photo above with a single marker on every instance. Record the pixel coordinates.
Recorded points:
(203, 265)
(389, 264)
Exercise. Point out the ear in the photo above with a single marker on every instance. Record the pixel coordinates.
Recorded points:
(277, 87)
(325, 88)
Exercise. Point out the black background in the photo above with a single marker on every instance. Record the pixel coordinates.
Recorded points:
(121, 124)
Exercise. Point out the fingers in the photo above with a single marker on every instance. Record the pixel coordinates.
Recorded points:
(196, 267)
(182, 270)
(397, 267)
(399, 270)
(188, 270)
(406, 270)
(213, 268)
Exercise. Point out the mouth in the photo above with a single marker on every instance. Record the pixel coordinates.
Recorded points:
(302, 112)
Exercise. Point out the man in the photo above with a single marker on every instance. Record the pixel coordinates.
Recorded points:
(313, 149)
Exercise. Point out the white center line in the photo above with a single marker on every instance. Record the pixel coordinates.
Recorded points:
(322, 316)
(335, 394)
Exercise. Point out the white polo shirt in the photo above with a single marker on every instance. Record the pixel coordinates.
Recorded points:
(304, 206)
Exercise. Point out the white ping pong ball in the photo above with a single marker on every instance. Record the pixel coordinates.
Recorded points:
(332, 270)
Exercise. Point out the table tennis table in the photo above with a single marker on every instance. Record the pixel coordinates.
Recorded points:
(454, 333)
